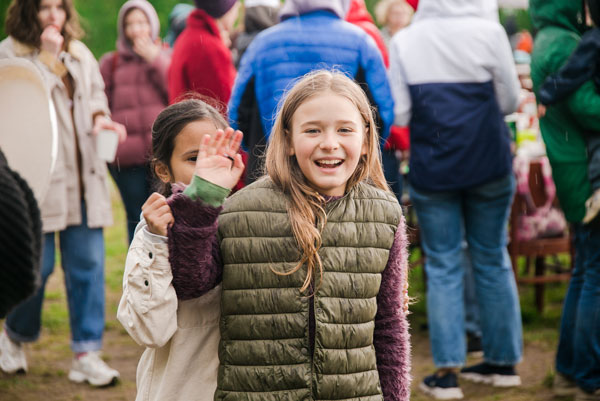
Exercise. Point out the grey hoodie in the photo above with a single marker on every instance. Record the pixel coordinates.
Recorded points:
(293, 8)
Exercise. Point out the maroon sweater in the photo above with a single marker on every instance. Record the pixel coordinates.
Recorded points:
(197, 267)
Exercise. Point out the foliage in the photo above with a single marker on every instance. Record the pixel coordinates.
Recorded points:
(99, 20)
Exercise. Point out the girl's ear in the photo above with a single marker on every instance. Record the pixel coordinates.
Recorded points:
(291, 151)
(162, 171)
(364, 148)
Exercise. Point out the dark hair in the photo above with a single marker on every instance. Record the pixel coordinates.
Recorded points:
(594, 8)
(169, 124)
(22, 22)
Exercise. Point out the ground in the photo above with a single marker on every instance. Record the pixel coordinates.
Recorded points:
(50, 358)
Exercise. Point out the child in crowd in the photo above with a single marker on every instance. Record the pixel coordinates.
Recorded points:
(180, 361)
(583, 65)
(135, 78)
(312, 257)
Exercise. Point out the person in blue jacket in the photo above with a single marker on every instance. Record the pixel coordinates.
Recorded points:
(312, 35)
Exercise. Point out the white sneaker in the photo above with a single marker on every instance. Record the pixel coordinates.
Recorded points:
(91, 368)
(12, 356)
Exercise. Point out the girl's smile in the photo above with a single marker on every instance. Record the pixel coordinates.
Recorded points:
(328, 141)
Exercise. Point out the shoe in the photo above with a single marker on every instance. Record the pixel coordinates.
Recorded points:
(474, 348)
(497, 376)
(581, 395)
(563, 386)
(92, 369)
(592, 207)
(12, 356)
(444, 387)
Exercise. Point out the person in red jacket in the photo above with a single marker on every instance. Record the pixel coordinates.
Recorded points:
(201, 62)
(359, 16)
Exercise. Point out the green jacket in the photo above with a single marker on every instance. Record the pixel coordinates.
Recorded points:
(268, 311)
(565, 125)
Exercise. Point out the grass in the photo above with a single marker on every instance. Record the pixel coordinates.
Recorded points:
(50, 356)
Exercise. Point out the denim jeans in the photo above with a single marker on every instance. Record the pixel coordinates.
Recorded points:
(578, 355)
(82, 256)
(480, 215)
(134, 187)
(391, 170)
(472, 324)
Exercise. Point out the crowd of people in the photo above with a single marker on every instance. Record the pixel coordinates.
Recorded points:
(260, 173)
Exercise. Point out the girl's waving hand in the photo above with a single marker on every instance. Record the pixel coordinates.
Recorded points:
(218, 159)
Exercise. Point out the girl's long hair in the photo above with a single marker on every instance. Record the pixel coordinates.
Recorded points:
(22, 22)
(305, 204)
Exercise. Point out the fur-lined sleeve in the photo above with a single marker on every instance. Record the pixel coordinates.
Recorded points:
(391, 337)
(194, 252)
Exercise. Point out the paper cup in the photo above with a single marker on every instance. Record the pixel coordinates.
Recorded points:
(106, 145)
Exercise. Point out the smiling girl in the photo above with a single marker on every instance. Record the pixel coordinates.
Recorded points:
(312, 257)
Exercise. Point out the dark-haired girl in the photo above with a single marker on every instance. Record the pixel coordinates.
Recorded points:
(182, 338)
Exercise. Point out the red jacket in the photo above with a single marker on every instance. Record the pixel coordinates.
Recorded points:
(201, 62)
(359, 16)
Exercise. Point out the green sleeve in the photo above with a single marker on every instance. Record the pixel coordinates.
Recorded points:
(584, 105)
(211, 194)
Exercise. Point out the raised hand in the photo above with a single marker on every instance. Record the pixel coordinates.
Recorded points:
(146, 48)
(157, 214)
(51, 40)
(218, 159)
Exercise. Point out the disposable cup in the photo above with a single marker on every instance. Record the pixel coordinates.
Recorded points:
(107, 142)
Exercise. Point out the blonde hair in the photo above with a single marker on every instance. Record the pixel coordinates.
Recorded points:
(305, 204)
(382, 9)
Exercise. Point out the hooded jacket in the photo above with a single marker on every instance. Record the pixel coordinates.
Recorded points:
(312, 35)
(359, 16)
(136, 90)
(453, 78)
(201, 62)
(560, 26)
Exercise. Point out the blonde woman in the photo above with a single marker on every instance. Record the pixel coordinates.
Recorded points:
(393, 15)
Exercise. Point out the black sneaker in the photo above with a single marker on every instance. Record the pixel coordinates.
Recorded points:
(474, 347)
(497, 376)
(443, 387)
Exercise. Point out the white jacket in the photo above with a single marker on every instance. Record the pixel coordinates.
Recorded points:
(181, 338)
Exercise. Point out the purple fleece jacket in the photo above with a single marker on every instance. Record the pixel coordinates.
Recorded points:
(197, 267)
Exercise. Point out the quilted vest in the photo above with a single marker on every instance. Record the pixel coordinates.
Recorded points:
(264, 350)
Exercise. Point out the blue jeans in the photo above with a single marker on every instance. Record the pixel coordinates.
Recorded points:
(472, 324)
(134, 187)
(82, 256)
(482, 214)
(578, 355)
(391, 170)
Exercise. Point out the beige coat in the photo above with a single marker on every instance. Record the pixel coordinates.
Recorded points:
(181, 361)
(62, 205)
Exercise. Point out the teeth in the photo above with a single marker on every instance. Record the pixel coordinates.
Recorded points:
(329, 161)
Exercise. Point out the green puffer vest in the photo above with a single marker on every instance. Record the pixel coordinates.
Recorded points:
(264, 349)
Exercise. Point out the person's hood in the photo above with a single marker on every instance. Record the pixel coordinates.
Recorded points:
(294, 8)
(358, 12)
(567, 14)
(258, 18)
(150, 12)
(455, 8)
(177, 21)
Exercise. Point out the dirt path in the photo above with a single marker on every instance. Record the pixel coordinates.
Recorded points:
(49, 362)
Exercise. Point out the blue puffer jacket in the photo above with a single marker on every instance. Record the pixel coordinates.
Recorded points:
(296, 46)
